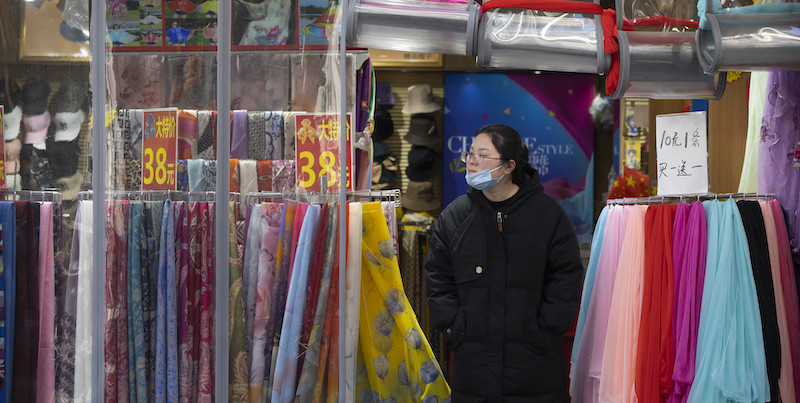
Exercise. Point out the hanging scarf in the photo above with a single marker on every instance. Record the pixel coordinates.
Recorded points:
(9, 237)
(399, 361)
(45, 386)
(237, 353)
(166, 374)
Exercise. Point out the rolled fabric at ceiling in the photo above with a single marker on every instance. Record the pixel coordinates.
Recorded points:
(750, 42)
(414, 26)
(540, 40)
(663, 65)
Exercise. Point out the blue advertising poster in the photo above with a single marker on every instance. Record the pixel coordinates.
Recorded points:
(550, 112)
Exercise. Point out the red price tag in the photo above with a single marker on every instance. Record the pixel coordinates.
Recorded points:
(159, 149)
(3, 153)
(317, 151)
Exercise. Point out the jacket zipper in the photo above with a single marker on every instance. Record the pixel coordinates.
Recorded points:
(500, 221)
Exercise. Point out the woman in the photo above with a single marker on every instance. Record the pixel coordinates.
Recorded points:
(504, 278)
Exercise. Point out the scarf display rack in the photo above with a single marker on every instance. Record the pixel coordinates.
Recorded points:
(159, 195)
(32, 195)
(690, 198)
(389, 195)
(679, 285)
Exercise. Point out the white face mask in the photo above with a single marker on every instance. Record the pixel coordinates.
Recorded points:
(482, 180)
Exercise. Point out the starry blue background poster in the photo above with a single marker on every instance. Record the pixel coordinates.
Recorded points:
(550, 112)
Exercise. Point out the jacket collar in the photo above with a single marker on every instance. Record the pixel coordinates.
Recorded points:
(530, 186)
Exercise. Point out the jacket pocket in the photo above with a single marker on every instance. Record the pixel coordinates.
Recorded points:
(540, 338)
(454, 334)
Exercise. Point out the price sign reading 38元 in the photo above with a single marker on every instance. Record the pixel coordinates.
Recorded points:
(317, 151)
(159, 149)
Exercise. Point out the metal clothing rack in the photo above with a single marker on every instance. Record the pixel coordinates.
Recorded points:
(32, 195)
(392, 195)
(690, 198)
(159, 195)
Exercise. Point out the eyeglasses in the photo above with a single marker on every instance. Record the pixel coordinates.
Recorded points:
(478, 158)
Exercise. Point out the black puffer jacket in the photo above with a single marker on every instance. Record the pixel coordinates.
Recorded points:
(504, 286)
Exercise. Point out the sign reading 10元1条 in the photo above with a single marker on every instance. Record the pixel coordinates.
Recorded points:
(682, 153)
(317, 151)
(159, 149)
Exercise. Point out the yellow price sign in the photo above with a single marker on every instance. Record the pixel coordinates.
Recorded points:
(317, 151)
(159, 149)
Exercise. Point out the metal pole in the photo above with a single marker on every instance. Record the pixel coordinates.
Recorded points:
(223, 187)
(98, 78)
(343, 152)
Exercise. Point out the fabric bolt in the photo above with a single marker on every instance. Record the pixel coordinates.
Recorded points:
(234, 175)
(655, 353)
(622, 336)
(270, 218)
(289, 125)
(730, 346)
(237, 352)
(45, 376)
(209, 181)
(283, 389)
(284, 176)
(9, 238)
(779, 149)
(137, 347)
(133, 161)
(585, 372)
(187, 133)
(273, 145)
(589, 279)
(206, 134)
(166, 374)
(689, 260)
(256, 135)
(398, 358)
(26, 306)
(194, 169)
(352, 293)
(264, 175)
(755, 231)
(312, 286)
(182, 176)
(786, 374)
(118, 136)
(748, 182)
(789, 290)
(239, 135)
(311, 364)
(248, 180)
(275, 324)
(206, 317)
(83, 316)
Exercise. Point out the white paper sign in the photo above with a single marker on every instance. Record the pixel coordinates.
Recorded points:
(682, 153)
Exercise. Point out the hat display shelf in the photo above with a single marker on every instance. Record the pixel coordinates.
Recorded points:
(564, 36)
(448, 27)
(658, 60)
(749, 38)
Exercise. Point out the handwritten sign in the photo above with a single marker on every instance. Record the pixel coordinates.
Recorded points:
(682, 153)
(3, 153)
(159, 149)
(317, 151)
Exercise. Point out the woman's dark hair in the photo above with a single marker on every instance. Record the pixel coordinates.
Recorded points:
(509, 143)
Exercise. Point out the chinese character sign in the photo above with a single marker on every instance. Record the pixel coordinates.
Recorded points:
(317, 152)
(682, 153)
(3, 152)
(159, 149)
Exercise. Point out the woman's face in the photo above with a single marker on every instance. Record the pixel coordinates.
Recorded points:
(482, 145)
(174, 24)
